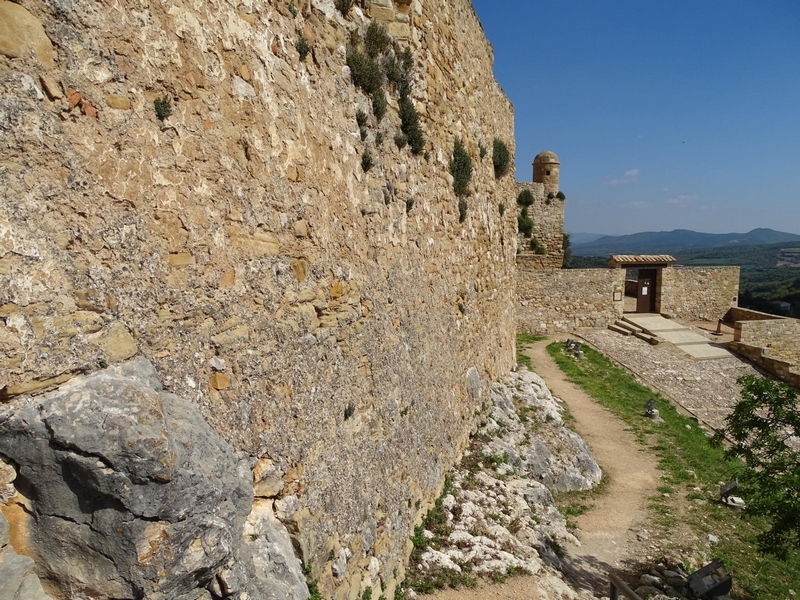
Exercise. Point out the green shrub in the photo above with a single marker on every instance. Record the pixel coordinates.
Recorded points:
(302, 48)
(361, 118)
(409, 123)
(344, 6)
(551, 195)
(409, 205)
(376, 40)
(462, 210)
(379, 104)
(163, 108)
(292, 8)
(366, 73)
(400, 139)
(460, 169)
(366, 161)
(501, 158)
(525, 223)
(482, 151)
(536, 246)
(525, 198)
(392, 69)
(407, 58)
(379, 138)
(561, 196)
(501, 208)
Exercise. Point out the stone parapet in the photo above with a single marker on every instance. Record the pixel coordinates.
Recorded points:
(560, 300)
(697, 293)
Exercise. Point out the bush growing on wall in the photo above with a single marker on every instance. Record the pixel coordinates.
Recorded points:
(525, 198)
(344, 6)
(462, 210)
(501, 158)
(460, 169)
(560, 195)
(379, 104)
(376, 40)
(409, 123)
(525, 223)
(302, 48)
(366, 73)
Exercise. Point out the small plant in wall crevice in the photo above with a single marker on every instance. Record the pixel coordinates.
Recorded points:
(163, 107)
(501, 158)
(460, 169)
(303, 48)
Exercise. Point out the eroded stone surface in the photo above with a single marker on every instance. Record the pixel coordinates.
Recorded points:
(135, 495)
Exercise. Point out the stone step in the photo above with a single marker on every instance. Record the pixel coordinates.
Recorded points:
(615, 328)
(634, 325)
(650, 339)
(628, 325)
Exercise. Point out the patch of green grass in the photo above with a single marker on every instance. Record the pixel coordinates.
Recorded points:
(688, 460)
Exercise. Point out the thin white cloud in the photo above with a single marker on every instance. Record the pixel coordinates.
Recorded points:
(627, 177)
(636, 204)
(682, 201)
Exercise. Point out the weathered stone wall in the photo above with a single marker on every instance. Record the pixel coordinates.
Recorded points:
(295, 299)
(555, 300)
(548, 226)
(737, 313)
(697, 293)
(779, 337)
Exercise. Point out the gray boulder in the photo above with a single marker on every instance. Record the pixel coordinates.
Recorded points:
(135, 495)
(17, 579)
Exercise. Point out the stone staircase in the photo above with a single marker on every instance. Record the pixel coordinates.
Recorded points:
(655, 329)
(625, 326)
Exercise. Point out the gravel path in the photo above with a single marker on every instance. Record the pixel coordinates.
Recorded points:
(607, 530)
(705, 388)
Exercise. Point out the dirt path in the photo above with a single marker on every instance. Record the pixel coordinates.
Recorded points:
(607, 528)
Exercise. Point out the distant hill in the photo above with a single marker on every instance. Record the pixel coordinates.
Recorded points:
(671, 242)
(583, 238)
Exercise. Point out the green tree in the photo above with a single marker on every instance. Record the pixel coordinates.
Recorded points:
(763, 429)
(566, 246)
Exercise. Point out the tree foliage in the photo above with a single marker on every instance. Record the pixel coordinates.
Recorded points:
(501, 158)
(566, 246)
(460, 169)
(763, 428)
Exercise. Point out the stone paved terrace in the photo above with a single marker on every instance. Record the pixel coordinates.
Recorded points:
(707, 389)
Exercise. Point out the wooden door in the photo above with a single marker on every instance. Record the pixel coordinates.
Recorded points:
(646, 291)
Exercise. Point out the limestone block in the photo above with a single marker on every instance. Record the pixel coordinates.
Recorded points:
(118, 102)
(220, 381)
(52, 88)
(400, 31)
(232, 337)
(381, 13)
(179, 259)
(160, 540)
(117, 342)
(260, 244)
(267, 479)
(22, 33)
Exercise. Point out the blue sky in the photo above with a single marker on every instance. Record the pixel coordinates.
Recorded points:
(664, 114)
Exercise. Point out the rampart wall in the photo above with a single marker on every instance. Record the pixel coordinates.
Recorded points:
(322, 318)
(698, 293)
(558, 300)
(548, 227)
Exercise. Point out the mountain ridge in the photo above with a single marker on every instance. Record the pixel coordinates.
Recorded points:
(665, 242)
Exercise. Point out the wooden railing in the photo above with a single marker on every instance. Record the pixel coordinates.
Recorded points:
(618, 586)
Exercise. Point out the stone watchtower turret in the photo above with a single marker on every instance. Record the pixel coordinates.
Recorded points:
(545, 169)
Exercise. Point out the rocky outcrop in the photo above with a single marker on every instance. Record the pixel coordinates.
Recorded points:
(132, 495)
(551, 454)
(19, 582)
(498, 515)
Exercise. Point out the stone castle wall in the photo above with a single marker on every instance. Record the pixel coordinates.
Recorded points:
(560, 300)
(698, 293)
(778, 337)
(319, 320)
(548, 226)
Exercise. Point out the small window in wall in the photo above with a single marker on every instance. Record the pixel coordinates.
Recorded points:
(548, 172)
